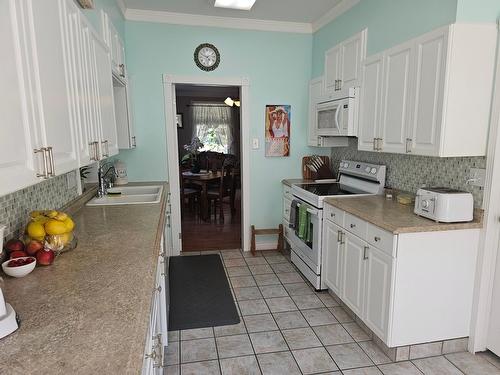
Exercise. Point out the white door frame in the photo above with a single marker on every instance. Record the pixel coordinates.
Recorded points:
(169, 82)
(489, 240)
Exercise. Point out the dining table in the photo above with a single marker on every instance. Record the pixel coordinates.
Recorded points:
(202, 179)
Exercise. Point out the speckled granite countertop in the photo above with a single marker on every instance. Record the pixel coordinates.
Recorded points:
(395, 217)
(88, 313)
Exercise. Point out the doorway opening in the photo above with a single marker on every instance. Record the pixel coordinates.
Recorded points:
(209, 154)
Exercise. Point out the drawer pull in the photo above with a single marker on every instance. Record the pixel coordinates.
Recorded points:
(377, 239)
(339, 236)
(332, 214)
(365, 255)
(353, 226)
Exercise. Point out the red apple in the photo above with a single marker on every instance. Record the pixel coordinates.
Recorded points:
(18, 254)
(33, 247)
(45, 257)
(14, 245)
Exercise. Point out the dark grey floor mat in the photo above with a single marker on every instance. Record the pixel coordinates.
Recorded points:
(199, 293)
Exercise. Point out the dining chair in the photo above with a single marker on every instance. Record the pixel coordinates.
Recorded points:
(191, 193)
(225, 188)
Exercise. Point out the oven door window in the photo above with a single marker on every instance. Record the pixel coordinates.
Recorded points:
(308, 238)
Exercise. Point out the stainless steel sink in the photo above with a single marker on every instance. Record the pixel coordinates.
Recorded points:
(129, 195)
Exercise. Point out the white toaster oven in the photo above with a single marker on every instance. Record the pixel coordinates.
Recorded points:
(444, 204)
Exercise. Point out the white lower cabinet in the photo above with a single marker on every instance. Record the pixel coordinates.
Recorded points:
(379, 268)
(157, 334)
(332, 265)
(409, 288)
(353, 271)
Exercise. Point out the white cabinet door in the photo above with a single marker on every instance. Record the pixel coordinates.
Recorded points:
(51, 64)
(396, 99)
(377, 291)
(108, 142)
(315, 92)
(370, 102)
(18, 163)
(333, 61)
(353, 52)
(353, 273)
(430, 60)
(332, 256)
(123, 111)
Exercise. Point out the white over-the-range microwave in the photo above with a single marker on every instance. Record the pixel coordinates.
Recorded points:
(337, 115)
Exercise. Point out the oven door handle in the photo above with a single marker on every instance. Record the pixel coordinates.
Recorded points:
(312, 212)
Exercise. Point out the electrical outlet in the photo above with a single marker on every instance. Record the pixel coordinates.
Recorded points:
(476, 177)
(255, 143)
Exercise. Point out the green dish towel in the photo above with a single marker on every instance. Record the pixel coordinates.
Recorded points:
(303, 223)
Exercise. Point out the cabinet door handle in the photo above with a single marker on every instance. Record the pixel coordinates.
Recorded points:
(375, 144)
(122, 68)
(134, 144)
(339, 236)
(353, 226)
(365, 255)
(408, 145)
(377, 238)
(97, 150)
(332, 214)
(52, 171)
(43, 150)
(342, 238)
(105, 146)
(91, 151)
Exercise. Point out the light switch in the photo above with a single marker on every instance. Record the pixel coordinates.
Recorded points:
(255, 143)
(476, 177)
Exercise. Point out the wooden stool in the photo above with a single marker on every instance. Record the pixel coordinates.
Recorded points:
(264, 232)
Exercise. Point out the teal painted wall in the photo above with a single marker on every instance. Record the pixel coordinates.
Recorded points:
(278, 66)
(112, 9)
(389, 22)
(478, 10)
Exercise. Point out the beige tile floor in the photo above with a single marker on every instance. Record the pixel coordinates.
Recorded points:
(287, 328)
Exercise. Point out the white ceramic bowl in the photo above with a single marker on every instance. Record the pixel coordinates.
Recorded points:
(19, 271)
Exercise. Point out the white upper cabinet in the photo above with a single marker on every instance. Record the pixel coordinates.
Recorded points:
(315, 92)
(396, 91)
(124, 115)
(49, 65)
(370, 102)
(58, 105)
(343, 62)
(435, 89)
(18, 163)
(108, 140)
(115, 45)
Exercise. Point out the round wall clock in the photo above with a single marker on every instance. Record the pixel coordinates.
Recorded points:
(207, 57)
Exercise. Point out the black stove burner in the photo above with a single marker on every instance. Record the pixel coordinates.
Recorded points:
(327, 189)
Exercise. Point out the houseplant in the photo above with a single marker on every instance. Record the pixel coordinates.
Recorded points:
(193, 150)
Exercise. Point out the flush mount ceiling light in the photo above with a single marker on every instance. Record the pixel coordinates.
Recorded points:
(230, 102)
(235, 4)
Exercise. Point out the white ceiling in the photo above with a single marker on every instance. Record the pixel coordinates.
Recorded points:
(303, 11)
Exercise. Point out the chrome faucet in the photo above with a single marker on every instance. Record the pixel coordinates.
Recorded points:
(104, 183)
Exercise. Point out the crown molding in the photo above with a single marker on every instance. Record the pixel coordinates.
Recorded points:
(213, 21)
(335, 12)
(122, 6)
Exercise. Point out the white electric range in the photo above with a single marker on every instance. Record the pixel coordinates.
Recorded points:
(355, 179)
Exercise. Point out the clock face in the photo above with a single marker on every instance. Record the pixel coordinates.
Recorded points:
(207, 57)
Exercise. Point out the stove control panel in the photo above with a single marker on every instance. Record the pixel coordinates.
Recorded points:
(368, 171)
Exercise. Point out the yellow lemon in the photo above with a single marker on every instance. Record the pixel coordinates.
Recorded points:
(53, 227)
(70, 224)
(61, 216)
(51, 213)
(41, 219)
(35, 214)
(40, 239)
(35, 229)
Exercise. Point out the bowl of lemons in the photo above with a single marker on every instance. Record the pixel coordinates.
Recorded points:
(53, 228)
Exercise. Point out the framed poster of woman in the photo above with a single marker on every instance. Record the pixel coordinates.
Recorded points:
(278, 130)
